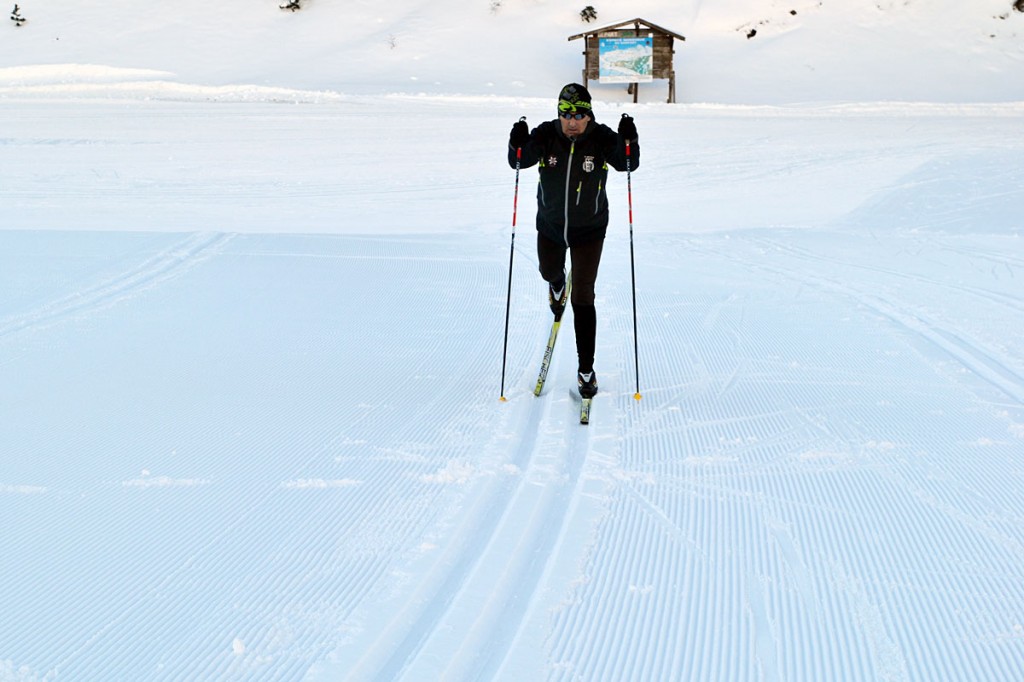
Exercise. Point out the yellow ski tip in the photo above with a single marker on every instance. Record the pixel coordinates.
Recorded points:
(637, 396)
(503, 399)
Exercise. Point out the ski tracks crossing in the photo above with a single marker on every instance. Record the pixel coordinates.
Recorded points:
(775, 496)
(975, 354)
(108, 291)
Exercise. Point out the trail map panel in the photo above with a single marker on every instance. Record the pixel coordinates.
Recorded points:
(626, 60)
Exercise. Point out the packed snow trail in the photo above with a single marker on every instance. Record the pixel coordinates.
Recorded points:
(232, 455)
(209, 472)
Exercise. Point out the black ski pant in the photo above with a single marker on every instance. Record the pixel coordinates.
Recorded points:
(585, 260)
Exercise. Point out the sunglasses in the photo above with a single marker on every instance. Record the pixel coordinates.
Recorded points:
(577, 116)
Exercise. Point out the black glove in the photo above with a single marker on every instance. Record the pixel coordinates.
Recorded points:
(627, 129)
(520, 134)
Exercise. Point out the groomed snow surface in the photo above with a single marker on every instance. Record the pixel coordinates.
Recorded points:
(253, 282)
(278, 456)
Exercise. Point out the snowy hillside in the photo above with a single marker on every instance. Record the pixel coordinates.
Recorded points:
(803, 50)
(253, 276)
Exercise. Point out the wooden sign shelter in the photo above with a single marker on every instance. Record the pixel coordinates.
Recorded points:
(661, 66)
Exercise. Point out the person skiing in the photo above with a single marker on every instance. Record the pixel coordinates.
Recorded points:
(573, 152)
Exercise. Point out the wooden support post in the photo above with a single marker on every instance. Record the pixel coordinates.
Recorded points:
(586, 60)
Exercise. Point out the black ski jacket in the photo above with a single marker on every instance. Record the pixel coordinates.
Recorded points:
(572, 205)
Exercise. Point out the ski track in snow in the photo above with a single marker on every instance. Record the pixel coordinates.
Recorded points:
(767, 494)
(661, 507)
(282, 457)
(508, 542)
(806, 536)
(162, 267)
(881, 654)
(973, 354)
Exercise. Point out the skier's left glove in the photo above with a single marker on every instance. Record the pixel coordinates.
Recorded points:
(627, 129)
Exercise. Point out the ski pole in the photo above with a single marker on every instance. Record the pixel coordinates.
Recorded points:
(632, 269)
(511, 255)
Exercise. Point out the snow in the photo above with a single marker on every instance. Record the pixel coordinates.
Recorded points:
(253, 273)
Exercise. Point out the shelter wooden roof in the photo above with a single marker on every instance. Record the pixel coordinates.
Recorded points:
(632, 22)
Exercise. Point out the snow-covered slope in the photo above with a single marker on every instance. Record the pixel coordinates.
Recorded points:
(803, 50)
(253, 276)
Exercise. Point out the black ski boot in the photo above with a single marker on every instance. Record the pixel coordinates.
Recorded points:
(558, 295)
(587, 382)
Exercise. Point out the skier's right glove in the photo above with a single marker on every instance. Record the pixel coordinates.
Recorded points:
(520, 135)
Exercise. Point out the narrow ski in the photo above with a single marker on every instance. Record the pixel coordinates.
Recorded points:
(549, 352)
(545, 364)
(585, 410)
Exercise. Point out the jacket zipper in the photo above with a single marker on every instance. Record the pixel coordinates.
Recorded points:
(568, 172)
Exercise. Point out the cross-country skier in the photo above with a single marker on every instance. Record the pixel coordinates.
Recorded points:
(573, 152)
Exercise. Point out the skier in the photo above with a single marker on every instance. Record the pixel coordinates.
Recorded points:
(573, 152)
